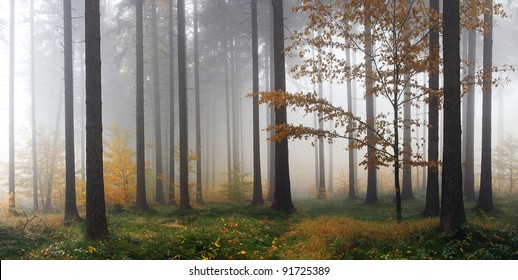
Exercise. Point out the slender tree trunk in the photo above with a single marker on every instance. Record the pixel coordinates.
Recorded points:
(321, 191)
(12, 199)
(271, 110)
(350, 135)
(331, 128)
(35, 205)
(182, 102)
(227, 103)
(452, 210)
(485, 199)
(171, 197)
(282, 196)
(432, 179)
(141, 200)
(70, 175)
(159, 189)
(257, 198)
(96, 225)
(372, 185)
(469, 173)
(407, 192)
(199, 194)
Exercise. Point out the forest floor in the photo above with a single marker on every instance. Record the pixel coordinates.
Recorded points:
(329, 229)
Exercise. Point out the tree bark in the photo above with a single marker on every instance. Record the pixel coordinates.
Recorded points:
(282, 196)
(35, 205)
(372, 185)
(141, 200)
(182, 102)
(469, 132)
(70, 174)
(257, 198)
(432, 208)
(96, 225)
(452, 210)
(159, 189)
(407, 192)
(199, 194)
(350, 135)
(485, 198)
(12, 200)
(171, 195)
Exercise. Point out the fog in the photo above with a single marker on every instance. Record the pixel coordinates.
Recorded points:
(118, 72)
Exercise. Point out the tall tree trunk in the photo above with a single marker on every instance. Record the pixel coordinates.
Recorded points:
(432, 179)
(199, 194)
(407, 192)
(141, 200)
(96, 225)
(372, 185)
(171, 195)
(485, 198)
(159, 189)
(331, 128)
(271, 110)
(321, 190)
(35, 205)
(469, 131)
(70, 175)
(227, 102)
(12, 199)
(350, 135)
(282, 196)
(452, 210)
(257, 198)
(182, 102)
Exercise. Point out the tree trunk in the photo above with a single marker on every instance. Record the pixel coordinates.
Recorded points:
(282, 196)
(199, 194)
(485, 198)
(372, 185)
(182, 102)
(96, 225)
(407, 192)
(35, 205)
(141, 200)
(257, 198)
(271, 110)
(171, 195)
(227, 103)
(469, 131)
(331, 128)
(321, 190)
(70, 175)
(12, 199)
(350, 135)
(452, 210)
(159, 189)
(432, 208)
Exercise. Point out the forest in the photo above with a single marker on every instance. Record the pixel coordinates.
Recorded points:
(258, 129)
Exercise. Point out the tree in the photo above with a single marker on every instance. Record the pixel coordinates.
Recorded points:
(119, 169)
(70, 186)
(96, 225)
(171, 197)
(469, 130)
(391, 67)
(199, 194)
(159, 190)
(352, 163)
(485, 198)
(257, 198)
(141, 202)
(282, 195)
(182, 102)
(505, 160)
(33, 119)
(12, 200)
(432, 207)
(452, 205)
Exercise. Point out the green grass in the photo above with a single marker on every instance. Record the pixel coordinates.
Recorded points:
(334, 229)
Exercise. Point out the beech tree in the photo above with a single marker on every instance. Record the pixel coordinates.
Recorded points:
(396, 59)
